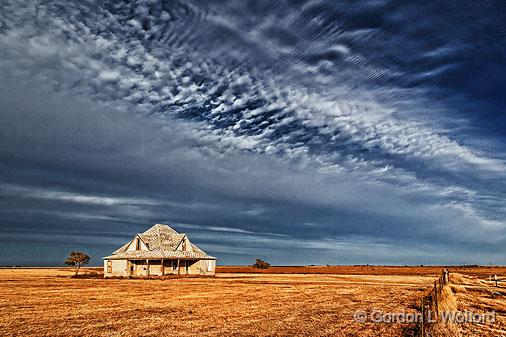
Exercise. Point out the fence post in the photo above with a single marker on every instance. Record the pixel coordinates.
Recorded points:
(430, 303)
(435, 299)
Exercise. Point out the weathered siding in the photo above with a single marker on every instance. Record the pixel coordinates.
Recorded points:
(118, 268)
(202, 267)
(170, 267)
(155, 268)
(210, 266)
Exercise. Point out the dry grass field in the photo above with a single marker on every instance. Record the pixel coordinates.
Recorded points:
(48, 302)
(433, 271)
(479, 295)
(40, 302)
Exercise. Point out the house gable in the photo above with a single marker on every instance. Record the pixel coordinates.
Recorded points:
(137, 244)
(185, 245)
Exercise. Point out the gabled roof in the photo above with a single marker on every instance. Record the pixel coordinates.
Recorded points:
(162, 242)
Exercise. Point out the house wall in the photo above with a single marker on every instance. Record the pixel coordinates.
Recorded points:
(169, 267)
(202, 267)
(139, 268)
(210, 267)
(119, 268)
(155, 268)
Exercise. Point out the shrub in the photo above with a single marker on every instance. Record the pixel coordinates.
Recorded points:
(89, 275)
(261, 264)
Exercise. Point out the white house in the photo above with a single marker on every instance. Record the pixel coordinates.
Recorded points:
(159, 251)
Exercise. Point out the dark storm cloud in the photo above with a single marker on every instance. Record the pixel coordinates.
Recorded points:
(258, 127)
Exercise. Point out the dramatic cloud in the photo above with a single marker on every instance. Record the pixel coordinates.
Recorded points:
(339, 133)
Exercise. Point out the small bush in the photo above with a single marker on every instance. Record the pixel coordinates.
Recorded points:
(261, 264)
(89, 275)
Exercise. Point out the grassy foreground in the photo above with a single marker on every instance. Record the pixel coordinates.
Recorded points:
(47, 302)
(312, 302)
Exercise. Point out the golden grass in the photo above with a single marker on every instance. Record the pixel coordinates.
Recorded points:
(446, 303)
(481, 296)
(456, 278)
(434, 271)
(46, 302)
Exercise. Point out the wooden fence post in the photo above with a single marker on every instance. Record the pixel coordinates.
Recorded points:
(429, 303)
(435, 299)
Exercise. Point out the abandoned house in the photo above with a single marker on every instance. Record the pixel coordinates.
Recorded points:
(159, 251)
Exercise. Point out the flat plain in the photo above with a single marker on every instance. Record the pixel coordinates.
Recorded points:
(48, 302)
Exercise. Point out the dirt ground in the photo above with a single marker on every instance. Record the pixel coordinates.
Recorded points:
(47, 302)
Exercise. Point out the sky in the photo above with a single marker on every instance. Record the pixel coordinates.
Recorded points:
(300, 132)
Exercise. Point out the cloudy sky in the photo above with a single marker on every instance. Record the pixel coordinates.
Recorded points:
(301, 132)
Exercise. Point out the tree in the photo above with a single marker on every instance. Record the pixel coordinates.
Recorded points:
(261, 264)
(77, 259)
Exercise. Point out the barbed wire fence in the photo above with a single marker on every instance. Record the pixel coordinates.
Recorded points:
(430, 303)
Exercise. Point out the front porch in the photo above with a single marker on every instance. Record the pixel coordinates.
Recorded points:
(146, 267)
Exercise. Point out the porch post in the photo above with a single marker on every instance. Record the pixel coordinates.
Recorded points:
(178, 270)
(162, 268)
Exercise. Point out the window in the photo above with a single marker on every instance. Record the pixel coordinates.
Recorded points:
(109, 267)
(137, 244)
(184, 246)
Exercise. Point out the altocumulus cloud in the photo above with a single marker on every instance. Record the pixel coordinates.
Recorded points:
(308, 133)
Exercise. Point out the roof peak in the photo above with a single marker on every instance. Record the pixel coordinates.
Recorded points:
(160, 226)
